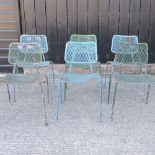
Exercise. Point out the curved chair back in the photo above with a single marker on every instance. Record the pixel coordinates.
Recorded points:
(133, 53)
(116, 39)
(81, 52)
(83, 38)
(40, 39)
(24, 53)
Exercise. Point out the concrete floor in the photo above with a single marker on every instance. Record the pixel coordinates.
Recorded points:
(78, 131)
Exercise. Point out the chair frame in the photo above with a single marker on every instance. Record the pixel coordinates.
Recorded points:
(82, 38)
(142, 49)
(27, 53)
(43, 43)
(74, 54)
(115, 49)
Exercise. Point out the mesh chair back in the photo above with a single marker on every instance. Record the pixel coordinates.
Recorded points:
(81, 52)
(40, 39)
(116, 39)
(24, 53)
(83, 38)
(134, 53)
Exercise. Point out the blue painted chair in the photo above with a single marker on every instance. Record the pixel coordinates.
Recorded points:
(120, 57)
(25, 54)
(79, 53)
(42, 41)
(83, 38)
(140, 58)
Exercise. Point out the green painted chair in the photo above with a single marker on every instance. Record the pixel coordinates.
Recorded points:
(27, 54)
(139, 58)
(83, 38)
(121, 55)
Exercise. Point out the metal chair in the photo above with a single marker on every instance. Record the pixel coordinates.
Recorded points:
(42, 41)
(83, 38)
(121, 57)
(26, 54)
(140, 57)
(79, 53)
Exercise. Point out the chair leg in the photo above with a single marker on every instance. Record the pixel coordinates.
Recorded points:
(15, 71)
(101, 87)
(14, 93)
(50, 86)
(65, 86)
(105, 81)
(9, 94)
(59, 98)
(148, 91)
(114, 101)
(44, 104)
(65, 91)
(53, 76)
(109, 87)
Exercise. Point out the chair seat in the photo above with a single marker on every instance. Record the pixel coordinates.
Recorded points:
(22, 79)
(80, 78)
(85, 66)
(134, 78)
(31, 65)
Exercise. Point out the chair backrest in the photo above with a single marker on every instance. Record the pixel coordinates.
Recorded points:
(83, 38)
(116, 39)
(81, 52)
(40, 39)
(27, 53)
(135, 53)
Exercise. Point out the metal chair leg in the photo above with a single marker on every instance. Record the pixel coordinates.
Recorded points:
(14, 93)
(50, 86)
(109, 87)
(105, 81)
(53, 76)
(65, 86)
(148, 91)
(9, 94)
(58, 100)
(114, 101)
(44, 104)
(101, 87)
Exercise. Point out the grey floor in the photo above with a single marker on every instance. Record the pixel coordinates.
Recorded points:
(78, 131)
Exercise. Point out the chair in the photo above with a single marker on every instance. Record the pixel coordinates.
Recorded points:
(140, 57)
(25, 54)
(120, 57)
(42, 41)
(79, 53)
(83, 38)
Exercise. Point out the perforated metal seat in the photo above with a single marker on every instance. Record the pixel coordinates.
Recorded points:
(80, 53)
